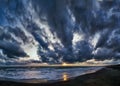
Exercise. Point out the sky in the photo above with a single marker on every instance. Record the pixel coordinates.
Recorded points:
(55, 31)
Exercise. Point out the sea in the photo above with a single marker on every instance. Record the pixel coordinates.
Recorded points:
(44, 74)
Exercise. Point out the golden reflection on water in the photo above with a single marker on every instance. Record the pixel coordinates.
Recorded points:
(65, 77)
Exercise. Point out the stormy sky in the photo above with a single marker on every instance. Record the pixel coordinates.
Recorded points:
(60, 30)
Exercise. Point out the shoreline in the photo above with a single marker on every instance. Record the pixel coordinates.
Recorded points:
(48, 81)
(108, 76)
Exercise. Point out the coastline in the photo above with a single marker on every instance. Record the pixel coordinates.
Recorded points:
(108, 76)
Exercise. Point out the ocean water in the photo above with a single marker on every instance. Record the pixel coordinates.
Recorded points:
(48, 74)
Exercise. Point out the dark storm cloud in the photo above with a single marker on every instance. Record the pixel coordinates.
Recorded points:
(58, 18)
(114, 40)
(64, 18)
(12, 49)
(103, 53)
(83, 50)
(103, 39)
(40, 40)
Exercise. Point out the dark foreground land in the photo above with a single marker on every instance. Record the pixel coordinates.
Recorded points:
(109, 76)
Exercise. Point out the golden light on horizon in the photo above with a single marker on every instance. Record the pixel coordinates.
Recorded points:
(64, 64)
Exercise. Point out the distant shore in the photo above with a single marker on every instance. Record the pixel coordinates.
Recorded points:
(38, 65)
(108, 76)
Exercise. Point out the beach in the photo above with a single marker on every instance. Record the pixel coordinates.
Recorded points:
(108, 76)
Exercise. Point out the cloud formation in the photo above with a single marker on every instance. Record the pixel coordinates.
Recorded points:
(65, 30)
